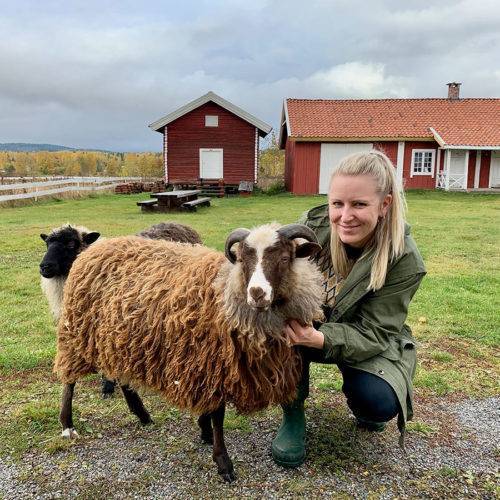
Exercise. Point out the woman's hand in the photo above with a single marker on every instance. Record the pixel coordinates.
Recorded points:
(303, 335)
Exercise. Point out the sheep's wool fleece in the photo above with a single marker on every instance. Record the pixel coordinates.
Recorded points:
(53, 288)
(161, 315)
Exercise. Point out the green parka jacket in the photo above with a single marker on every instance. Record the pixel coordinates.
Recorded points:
(366, 329)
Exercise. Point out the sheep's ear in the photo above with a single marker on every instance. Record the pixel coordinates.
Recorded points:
(89, 238)
(44, 237)
(307, 249)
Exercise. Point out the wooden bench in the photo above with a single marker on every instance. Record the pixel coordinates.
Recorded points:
(194, 204)
(148, 205)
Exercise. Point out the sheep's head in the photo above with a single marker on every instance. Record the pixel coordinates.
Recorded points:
(266, 255)
(63, 246)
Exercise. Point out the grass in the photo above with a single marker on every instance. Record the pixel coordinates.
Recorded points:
(454, 315)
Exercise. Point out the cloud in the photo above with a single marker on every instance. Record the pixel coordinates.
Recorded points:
(69, 76)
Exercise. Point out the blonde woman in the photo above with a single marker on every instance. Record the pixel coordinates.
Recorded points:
(372, 269)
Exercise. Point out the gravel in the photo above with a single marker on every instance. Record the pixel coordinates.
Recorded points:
(455, 456)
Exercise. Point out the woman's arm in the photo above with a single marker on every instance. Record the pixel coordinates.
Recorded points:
(379, 316)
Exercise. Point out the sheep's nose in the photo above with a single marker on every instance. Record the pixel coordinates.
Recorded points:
(257, 298)
(257, 293)
(47, 270)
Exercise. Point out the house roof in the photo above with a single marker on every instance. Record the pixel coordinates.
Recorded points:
(263, 127)
(452, 123)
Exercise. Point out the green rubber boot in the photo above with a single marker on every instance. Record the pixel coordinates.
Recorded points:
(289, 445)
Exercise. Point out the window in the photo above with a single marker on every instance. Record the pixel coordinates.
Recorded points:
(211, 121)
(422, 162)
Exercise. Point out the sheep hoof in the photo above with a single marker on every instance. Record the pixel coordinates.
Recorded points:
(207, 438)
(228, 477)
(225, 468)
(107, 395)
(69, 433)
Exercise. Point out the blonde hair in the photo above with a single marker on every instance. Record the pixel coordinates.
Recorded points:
(387, 243)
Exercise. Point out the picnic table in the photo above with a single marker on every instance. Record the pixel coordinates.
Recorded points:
(168, 201)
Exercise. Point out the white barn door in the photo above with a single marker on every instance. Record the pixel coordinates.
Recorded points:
(495, 169)
(331, 154)
(211, 163)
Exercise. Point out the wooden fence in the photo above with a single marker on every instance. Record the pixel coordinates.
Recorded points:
(24, 190)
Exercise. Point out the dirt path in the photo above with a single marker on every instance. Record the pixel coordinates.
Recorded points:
(451, 452)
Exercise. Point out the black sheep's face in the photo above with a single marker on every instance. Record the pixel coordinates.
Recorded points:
(63, 246)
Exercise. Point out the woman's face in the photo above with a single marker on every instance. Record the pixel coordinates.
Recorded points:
(354, 208)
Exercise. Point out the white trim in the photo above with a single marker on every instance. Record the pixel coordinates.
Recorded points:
(484, 148)
(447, 162)
(478, 170)
(466, 169)
(400, 162)
(165, 163)
(433, 162)
(210, 96)
(201, 150)
(211, 118)
(438, 138)
(285, 123)
(256, 167)
(438, 165)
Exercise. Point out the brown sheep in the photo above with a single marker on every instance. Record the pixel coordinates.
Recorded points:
(184, 321)
(171, 231)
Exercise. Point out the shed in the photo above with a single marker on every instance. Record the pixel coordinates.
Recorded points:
(448, 143)
(210, 139)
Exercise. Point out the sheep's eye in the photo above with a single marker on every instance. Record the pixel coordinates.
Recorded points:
(71, 244)
(285, 258)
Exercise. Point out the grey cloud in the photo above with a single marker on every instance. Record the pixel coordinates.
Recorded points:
(71, 78)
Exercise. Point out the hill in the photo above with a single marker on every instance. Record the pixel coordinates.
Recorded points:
(28, 147)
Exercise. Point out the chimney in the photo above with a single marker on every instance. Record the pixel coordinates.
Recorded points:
(454, 91)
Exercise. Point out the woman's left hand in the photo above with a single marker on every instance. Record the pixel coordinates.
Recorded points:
(303, 335)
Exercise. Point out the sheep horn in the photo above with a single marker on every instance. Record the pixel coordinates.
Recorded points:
(292, 231)
(235, 237)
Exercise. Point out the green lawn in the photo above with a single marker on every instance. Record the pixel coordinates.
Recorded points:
(454, 315)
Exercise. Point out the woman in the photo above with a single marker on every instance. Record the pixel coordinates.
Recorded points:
(372, 269)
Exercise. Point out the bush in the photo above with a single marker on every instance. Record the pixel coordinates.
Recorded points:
(275, 188)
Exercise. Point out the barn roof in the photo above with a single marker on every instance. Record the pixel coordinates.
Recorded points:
(472, 123)
(263, 127)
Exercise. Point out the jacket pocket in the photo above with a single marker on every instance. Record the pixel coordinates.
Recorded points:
(407, 344)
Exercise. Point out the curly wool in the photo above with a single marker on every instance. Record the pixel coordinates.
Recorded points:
(159, 314)
(171, 231)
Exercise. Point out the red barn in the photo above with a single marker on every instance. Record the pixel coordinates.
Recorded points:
(448, 143)
(210, 138)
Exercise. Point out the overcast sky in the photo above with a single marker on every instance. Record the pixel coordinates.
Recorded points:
(95, 73)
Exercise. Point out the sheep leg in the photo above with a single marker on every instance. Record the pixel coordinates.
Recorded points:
(135, 405)
(107, 387)
(66, 415)
(220, 456)
(205, 423)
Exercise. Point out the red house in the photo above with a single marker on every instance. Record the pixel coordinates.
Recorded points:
(210, 138)
(448, 143)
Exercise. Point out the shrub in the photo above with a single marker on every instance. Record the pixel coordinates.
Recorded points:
(275, 188)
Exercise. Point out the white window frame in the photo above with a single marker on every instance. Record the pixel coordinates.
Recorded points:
(433, 162)
(211, 120)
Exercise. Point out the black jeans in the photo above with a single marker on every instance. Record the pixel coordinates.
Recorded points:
(369, 397)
